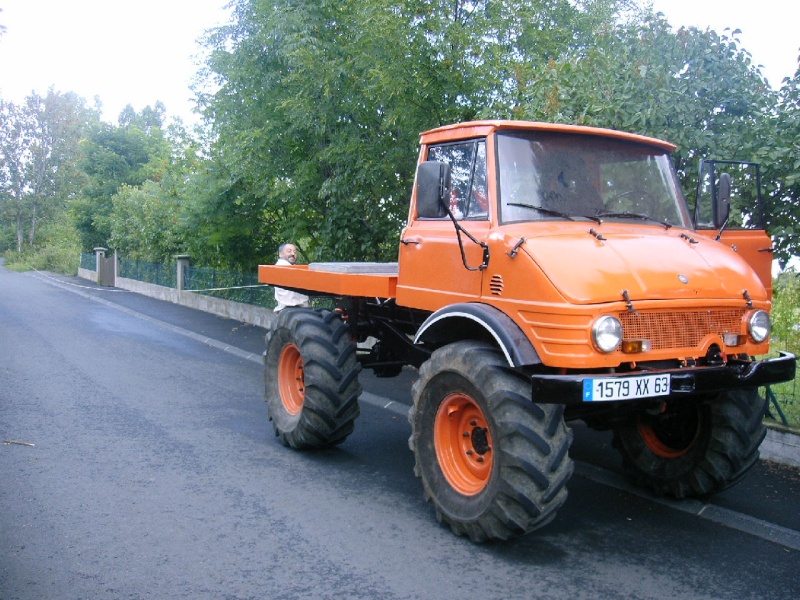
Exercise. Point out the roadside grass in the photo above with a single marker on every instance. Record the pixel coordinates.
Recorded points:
(786, 336)
(787, 396)
(58, 259)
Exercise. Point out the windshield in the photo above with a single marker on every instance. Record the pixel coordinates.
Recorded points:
(555, 176)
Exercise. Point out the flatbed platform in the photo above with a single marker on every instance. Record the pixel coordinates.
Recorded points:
(371, 280)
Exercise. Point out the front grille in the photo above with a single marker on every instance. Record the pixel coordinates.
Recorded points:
(684, 329)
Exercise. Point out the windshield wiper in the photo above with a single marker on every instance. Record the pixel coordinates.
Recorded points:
(544, 211)
(630, 215)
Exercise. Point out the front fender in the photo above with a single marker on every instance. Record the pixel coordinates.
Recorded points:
(472, 320)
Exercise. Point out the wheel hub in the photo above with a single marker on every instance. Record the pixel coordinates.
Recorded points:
(480, 440)
(463, 444)
(291, 379)
(673, 432)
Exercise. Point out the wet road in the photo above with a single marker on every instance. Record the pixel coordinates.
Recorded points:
(154, 474)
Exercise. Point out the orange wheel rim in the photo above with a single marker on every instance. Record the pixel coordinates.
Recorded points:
(291, 381)
(463, 444)
(668, 439)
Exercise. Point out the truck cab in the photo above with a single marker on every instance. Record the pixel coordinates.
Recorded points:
(561, 227)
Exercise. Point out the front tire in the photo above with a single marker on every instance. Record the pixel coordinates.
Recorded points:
(311, 379)
(493, 463)
(694, 447)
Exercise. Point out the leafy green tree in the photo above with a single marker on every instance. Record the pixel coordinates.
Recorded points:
(786, 312)
(151, 221)
(698, 89)
(114, 156)
(781, 158)
(39, 151)
(318, 104)
(298, 140)
(149, 118)
(144, 223)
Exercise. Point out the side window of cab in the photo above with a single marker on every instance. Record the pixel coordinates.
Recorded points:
(468, 196)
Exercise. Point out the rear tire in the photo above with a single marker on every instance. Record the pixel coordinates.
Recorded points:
(493, 463)
(311, 379)
(694, 448)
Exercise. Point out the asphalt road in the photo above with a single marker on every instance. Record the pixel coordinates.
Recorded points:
(153, 473)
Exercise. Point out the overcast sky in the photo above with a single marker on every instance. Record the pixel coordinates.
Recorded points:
(124, 52)
(144, 51)
(770, 28)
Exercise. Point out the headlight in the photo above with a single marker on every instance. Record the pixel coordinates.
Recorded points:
(607, 333)
(759, 326)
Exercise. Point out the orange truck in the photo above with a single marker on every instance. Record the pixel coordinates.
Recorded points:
(546, 273)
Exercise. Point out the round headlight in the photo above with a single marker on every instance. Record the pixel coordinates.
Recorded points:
(607, 333)
(759, 326)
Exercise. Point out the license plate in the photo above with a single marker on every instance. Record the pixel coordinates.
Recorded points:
(604, 389)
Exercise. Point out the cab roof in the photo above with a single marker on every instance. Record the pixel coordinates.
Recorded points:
(472, 129)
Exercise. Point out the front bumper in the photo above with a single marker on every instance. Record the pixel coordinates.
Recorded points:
(569, 389)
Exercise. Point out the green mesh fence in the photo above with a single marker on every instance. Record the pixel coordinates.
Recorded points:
(784, 403)
(155, 273)
(238, 287)
(88, 261)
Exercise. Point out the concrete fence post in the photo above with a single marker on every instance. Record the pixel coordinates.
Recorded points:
(99, 255)
(183, 267)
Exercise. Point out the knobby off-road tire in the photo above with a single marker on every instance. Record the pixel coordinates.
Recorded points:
(494, 464)
(311, 379)
(694, 448)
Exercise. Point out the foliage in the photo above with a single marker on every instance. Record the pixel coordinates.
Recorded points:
(319, 102)
(112, 157)
(315, 108)
(786, 336)
(321, 150)
(148, 221)
(39, 150)
(779, 150)
(786, 312)
(61, 253)
(144, 222)
(694, 88)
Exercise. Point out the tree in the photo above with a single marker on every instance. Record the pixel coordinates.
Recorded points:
(317, 104)
(303, 142)
(114, 156)
(781, 157)
(39, 148)
(152, 220)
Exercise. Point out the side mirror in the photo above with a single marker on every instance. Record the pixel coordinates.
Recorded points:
(433, 189)
(722, 202)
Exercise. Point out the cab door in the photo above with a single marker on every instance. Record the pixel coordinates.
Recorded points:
(433, 271)
(744, 229)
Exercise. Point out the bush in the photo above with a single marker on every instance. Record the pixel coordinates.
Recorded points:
(59, 258)
(786, 336)
(786, 313)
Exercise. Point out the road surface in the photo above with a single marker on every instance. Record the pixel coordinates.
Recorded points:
(152, 472)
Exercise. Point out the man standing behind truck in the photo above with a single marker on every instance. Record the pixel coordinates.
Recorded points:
(287, 256)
